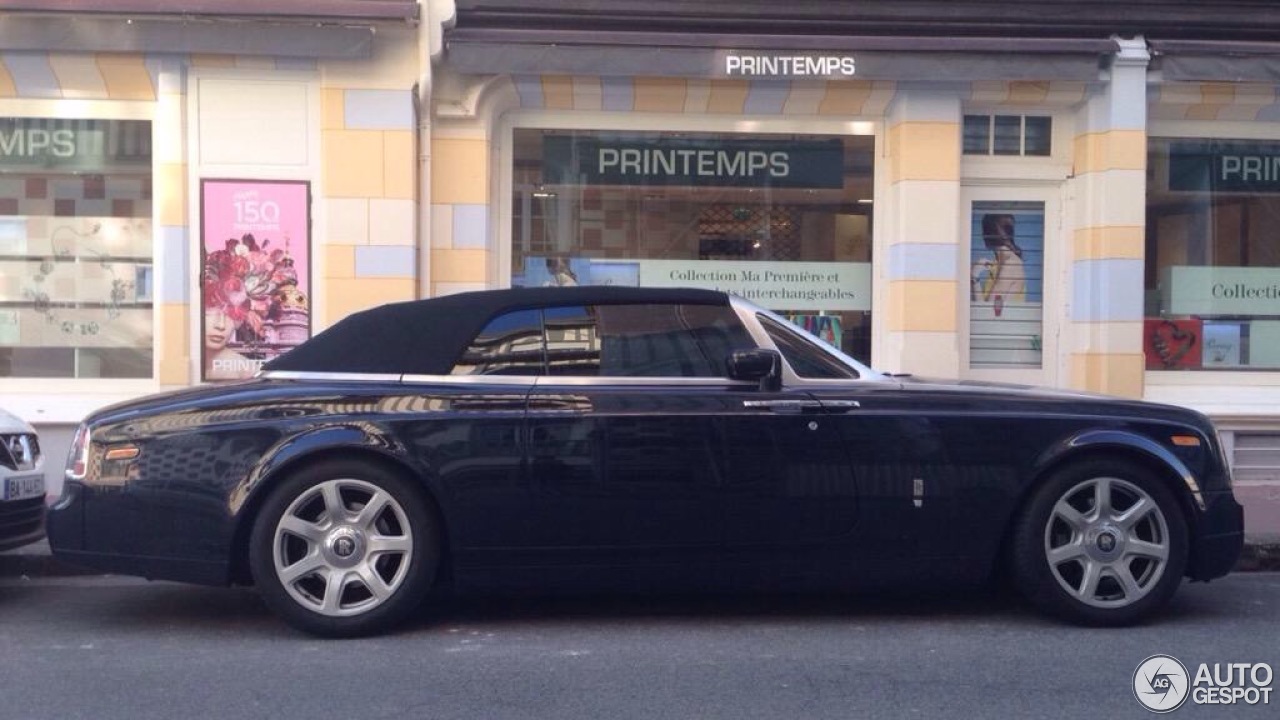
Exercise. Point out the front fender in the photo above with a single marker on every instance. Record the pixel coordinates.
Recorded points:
(1112, 439)
(307, 442)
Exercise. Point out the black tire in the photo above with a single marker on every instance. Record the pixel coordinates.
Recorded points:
(1045, 527)
(370, 572)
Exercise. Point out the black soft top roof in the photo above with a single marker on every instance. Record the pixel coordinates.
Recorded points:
(426, 337)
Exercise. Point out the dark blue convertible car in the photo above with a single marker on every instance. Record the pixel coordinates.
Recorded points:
(615, 438)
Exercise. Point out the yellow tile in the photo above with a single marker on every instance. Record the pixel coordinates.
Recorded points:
(8, 88)
(459, 265)
(557, 92)
(340, 261)
(1110, 150)
(171, 193)
(1027, 92)
(459, 171)
(333, 108)
(353, 163)
(126, 77)
(399, 164)
(174, 356)
(1112, 241)
(844, 97)
(924, 151)
(728, 96)
(1111, 373)
(345, 296)
(922, 306)
(206, 60)
(660, 94)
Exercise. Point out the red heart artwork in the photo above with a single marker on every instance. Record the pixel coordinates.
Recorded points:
(1172, 344)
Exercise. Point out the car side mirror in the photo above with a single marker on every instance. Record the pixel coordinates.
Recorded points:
(759, 366)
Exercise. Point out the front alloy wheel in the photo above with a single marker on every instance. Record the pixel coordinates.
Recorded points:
(343, 549)
(1103, 542)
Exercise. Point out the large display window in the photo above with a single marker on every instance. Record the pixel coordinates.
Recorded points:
(75, 248)
(1212, 256)
(781, 219)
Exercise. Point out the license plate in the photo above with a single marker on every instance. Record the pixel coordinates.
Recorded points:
(21, 488)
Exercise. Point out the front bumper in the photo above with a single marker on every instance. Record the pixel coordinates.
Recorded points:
(21, 522)
(1219, 538)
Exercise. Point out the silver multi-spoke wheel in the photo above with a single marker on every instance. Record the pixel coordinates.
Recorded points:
(342, 547)
(1107, 542)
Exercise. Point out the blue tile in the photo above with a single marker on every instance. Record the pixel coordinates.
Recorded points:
(32, 74)
(1108, 290)
(471, 227)
(922, 261)
(398, 261)
(172, 279)
(617, 93)
(378, 110)
(529, 88)
(766, 97)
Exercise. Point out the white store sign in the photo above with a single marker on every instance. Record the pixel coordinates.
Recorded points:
(828, 286)
(1198, 290)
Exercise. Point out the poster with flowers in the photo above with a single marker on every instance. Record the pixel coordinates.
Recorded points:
(255, 280)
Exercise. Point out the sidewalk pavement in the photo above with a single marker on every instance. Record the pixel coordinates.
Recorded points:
(37, 560)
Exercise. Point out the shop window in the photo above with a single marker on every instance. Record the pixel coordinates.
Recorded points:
(1212, 285)
(780, 219)
(76, 277)
(1008, 135)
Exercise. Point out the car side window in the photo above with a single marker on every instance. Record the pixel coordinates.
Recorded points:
(649, 340)
(511, 344)
(805, 358)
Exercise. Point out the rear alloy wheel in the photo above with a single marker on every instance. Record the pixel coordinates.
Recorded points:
(1102, 543)
(344, 549)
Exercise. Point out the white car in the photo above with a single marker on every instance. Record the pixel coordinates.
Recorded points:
(22, 506)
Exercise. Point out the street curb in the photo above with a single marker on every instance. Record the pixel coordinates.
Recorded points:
(38, 561)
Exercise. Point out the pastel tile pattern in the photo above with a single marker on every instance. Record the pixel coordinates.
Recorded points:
(378, 109)
(173, 351)
(922, 305)
(459, 265)
(345, 296)
(660, 94)
(557, 92)
(339, 261)
(385, 261)
(924, 151)
(470, 227)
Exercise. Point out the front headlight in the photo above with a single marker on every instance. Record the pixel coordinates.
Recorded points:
(78, 456)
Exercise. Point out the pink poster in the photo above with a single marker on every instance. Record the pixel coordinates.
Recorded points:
(255, 286)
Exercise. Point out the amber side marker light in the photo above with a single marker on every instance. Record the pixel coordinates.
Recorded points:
(1186, 440)
(123, 452)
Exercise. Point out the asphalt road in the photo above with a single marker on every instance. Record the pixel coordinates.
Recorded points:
(107, 648)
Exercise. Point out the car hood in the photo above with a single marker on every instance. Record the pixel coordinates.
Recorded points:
(10, 423)
(1069, 400)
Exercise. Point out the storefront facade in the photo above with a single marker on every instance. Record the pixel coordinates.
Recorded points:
(1081, 202)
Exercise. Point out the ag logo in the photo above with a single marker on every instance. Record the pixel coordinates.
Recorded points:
(1161, 683)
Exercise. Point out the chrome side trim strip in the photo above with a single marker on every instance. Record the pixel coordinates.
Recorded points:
(707, 382)
(328, 376)
(519, 381)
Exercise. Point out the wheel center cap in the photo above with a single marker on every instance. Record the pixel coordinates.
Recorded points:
(345, 546)
(1105, 543)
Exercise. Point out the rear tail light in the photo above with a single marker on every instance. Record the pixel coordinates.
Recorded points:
(78, 457)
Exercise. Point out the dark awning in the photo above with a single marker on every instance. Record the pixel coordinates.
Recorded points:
(567, 52)
(1217, 61)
